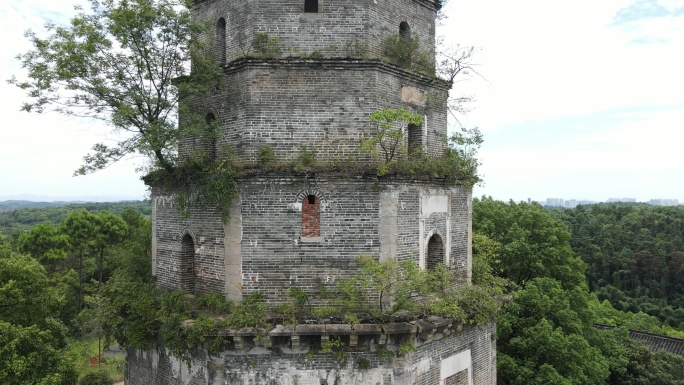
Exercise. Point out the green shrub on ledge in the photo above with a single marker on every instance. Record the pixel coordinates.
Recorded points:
(137, 314)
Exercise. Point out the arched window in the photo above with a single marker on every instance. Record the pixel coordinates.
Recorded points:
(186, 264)
(210, 135)
(311, 217)
(404, 29)
(221, 40)
(415, 140)
(311, 6)
(435, 252)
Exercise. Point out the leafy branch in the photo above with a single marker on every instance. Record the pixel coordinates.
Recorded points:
(391, 125)
(119, 63)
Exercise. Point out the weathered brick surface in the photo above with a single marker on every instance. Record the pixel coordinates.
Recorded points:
(281, 365)
(276, 255)
(323, 105)
(329, 31)
(274, 238)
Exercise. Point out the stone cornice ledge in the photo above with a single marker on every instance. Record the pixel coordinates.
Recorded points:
(336, 64)
(290, 336)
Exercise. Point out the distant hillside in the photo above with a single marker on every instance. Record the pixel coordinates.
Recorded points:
(20, 204)
(22, 215)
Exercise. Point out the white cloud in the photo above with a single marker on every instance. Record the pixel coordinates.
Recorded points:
(546, 59)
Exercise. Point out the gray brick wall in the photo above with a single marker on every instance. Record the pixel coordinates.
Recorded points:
(274, 254)
(291, 102)
(282, 365)
(323, 105)
(328, 31)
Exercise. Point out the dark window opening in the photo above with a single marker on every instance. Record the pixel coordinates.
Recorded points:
(311, 217)
(404, 29)
(221, 40)
(311, 6)
(187, 264)
(415, 140)
(210, 135)
(435, 252)
(460, 378)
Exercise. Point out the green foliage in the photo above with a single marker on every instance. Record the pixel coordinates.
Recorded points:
(265, 156)
(391, 125)
(132, 312)
(547, 335)
(203, 332)
(388, 289)
(356, 48)
(213, 303)
(32, 355)
(99, 377)
(25, 293)
(83, 352)
(606, 314)
(46, 243)
(202, 181)
(336, 347)
(306, 158)
(294, 308)
(251, 312)
(362, 363)
(458, 164)
(462, 153)
(32, 343)
(405, 51)
(134, 256)
(485, 256)
(24, 219)
(383, 352)
(405, 348)
(5, 249)
(635, 255)
(542, 336)
(266, 46)
(532, 243)
(316, 55)
(120, 62)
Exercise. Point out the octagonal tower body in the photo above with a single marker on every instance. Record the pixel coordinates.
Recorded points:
(287, 229)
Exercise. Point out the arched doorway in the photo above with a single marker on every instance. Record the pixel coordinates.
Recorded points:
(221, 41)
(187, 264)
(435, 252)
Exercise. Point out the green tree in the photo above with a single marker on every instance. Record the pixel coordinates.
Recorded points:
(120, 63)
(391, 125)
(32, 343)
(110, 230)
(46, 243)
(634, 254)
(4, 246)
(25, 295)
(30, 355)
(99, 377)
(532, 242)
(541, 338)
(133, 256)
(81, 227)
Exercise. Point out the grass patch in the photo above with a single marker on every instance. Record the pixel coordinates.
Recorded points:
(84, 354)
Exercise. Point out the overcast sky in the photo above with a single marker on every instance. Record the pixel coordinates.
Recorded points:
(580, 99)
